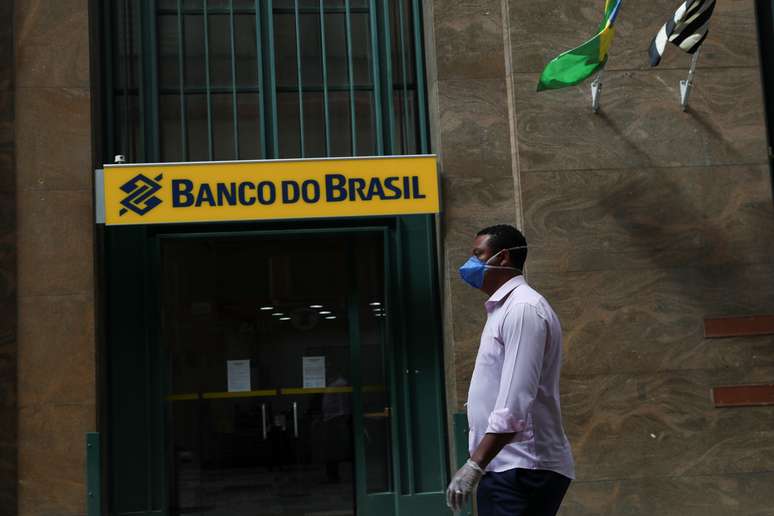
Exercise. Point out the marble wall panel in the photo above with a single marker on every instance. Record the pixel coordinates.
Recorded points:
(474, 125)
(64, 324)
(642, 221)
(52, 44)
(472, 203)
(54, 139)
(633, 219)
(55, 253)
(712, 495)
(664, 423)
(55, 243)
(651, 319)
(465, 352)
(52, 458)
(468, 39)
(641, 124)
(540, 32)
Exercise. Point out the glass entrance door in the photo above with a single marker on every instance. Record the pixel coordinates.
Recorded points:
(276, 367)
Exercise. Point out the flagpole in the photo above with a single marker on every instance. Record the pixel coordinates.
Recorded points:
(596, 91)
(687, 85)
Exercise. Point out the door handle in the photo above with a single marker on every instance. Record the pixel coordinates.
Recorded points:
(264, 430)
(295, 419)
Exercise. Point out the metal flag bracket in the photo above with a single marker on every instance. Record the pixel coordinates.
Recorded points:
(687, 84)
(596, 91)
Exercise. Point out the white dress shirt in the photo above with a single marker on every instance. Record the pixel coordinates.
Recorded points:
(515, 383)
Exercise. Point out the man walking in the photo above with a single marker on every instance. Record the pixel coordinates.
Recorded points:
(520, 459)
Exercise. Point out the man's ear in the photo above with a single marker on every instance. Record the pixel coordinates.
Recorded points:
(505, 258)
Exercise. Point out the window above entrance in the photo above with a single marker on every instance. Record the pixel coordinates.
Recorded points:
(198, 80)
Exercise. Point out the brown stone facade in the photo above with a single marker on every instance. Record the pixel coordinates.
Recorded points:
(56, 369)
(643, 220)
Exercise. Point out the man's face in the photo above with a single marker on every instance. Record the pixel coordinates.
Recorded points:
(482, 250)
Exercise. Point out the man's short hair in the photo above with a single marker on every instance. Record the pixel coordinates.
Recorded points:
(505, 236)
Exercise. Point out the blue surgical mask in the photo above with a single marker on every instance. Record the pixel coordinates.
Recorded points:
(472, 271)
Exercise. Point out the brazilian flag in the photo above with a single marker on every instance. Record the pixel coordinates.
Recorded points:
(578, 64)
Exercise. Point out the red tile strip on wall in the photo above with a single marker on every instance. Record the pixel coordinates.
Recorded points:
(738, 326)
(743, 395)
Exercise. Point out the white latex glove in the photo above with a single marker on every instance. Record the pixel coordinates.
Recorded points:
(462, 485)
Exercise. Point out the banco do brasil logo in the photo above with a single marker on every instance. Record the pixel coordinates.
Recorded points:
(140, 196)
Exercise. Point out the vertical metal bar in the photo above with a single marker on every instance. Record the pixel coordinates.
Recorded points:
(147, 379)
(261, 86)
(93, 475)
(393, 368)
(687, 85)
(127, 149)
(109, 120)
(419, 66)
(150, 82)
(404, 76)
(358, 427)
(299, 81)
(440, 403)
(295, 419)
(403, 367)
(264, 429)
(207, 86)
(160, 386)
(350, 77)
(388, 87)
(324, 63)
(235, 118)
(181, 73)
(375, 78)
(271, 88)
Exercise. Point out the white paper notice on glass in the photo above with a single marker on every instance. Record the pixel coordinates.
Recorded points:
(238, 372)
(314, 372)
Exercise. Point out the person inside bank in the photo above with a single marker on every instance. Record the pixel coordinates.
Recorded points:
(520, 459)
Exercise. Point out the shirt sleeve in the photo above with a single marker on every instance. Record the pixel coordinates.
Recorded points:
(524, 339)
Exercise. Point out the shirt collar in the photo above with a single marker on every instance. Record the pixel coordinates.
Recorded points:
(502, 292)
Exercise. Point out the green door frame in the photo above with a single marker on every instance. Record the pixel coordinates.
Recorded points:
(136, 412)
(374, 504)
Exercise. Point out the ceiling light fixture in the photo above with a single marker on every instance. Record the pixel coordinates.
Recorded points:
(284, 318)
(331, 317)
(325, 312)
(266, 308)
(277, 314)
(375, 303)
(315, 307)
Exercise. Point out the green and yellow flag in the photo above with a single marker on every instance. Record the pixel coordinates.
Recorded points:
(578, 64)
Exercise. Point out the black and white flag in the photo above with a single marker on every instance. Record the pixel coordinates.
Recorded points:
(686, 29)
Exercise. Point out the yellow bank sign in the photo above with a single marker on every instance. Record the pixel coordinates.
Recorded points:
(278, 189)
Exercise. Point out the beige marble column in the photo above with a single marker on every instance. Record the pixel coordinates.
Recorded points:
(472, 133)
(56, 369)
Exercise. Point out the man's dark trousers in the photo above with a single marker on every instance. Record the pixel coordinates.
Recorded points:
(521, 492)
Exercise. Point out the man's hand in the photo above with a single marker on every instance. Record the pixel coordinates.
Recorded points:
(463, 484)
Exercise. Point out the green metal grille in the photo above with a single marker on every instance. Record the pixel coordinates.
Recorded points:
(198, 80)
